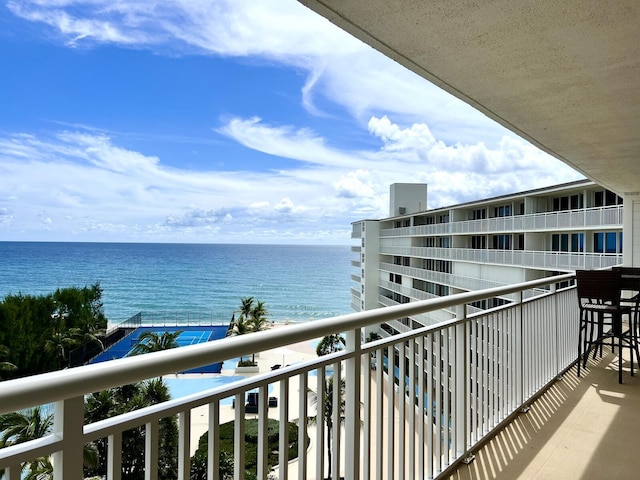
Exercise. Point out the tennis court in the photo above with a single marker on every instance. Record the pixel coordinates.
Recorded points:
(190, 335)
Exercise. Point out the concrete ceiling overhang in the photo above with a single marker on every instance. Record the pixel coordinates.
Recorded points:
(563, 74)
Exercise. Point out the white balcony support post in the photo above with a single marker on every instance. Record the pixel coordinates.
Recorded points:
(263, 432)
(519, 335)
(68, 424)
(390, 409)
(461, 382)
(367, 371)
(184, 445)
(420, 374)
(320, 402)
(402, 404)
(114, 456)
(429, 408)
(336, 419)
(238, 438)
(151, 441)
(352, 405)
(283, 448)
(379, 430)
(411, 409)
(213, 440)
(302, 428)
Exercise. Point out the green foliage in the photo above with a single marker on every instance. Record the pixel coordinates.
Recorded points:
(252, 318)
(330, 344)
(116, 401)
(154, 342)
(39, 331)
(226, 432)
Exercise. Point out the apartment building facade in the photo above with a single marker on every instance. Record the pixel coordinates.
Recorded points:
(418, 254)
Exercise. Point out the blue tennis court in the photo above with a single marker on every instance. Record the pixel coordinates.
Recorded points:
(188, 336)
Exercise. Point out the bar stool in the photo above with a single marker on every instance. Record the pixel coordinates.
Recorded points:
(601, 315)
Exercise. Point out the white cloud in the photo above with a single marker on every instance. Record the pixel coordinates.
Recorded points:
(339, 68)
(89, 185)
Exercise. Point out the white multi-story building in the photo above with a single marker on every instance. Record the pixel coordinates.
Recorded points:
(417, 254)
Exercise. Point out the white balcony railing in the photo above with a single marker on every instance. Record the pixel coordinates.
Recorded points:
(597, 217)
(463, 378)
(568, 261)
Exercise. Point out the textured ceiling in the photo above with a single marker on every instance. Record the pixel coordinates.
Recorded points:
(564, 75)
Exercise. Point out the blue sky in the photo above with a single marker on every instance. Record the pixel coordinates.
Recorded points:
(241, 121)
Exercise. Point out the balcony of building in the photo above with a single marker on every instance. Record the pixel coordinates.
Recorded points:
(416, 404)
(598, 217)
(545, 260)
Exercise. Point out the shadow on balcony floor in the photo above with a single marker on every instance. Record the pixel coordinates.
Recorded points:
(580, 428)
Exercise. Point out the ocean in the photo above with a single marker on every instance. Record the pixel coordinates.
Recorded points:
(186, 282)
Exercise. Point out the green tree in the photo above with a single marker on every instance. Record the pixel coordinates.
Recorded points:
(252, 317)
(116, 401)
(328, 403)
(23, 426)
(4, 365)
(330, 344)
(156, 342)
(29, 323)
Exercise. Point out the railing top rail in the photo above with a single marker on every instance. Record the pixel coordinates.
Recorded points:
(54, 386)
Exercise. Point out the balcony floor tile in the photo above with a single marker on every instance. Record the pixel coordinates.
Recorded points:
(580, 428)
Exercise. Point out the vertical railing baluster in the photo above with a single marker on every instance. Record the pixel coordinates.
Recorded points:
(446, 403)
(353, 379)
(151, 450)
(238, 437)
(411, 410)
(420, 373)
(401, 410)
(336, 420)
(320, 412)
(283, 447)
(430, 403)
(460, 419)
(379, 431)
(263, 432)
(473, 382)
(438, 400)
(390, 410)
(367, 429)
(184, 445)
(302, 427)
(68, 423)
(213, 437)
(519, 356)
(114, 456)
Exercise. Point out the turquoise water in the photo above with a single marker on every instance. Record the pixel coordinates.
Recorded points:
(186, 281)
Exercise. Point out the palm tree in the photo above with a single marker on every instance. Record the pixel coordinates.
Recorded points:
(5, 366)
(251, 318)
(20, 427)
(155, 342)
(61, 341)
(328, 412)
(330, 344)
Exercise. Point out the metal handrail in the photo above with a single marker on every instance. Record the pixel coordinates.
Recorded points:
(50, 387)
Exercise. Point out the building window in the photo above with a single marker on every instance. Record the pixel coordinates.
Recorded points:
(502, 211)
(479, 214)
(577, 242)
(478, 242)
(502, 242)
(607, 242)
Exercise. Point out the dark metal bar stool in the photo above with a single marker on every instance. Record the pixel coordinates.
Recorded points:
(601, 312)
